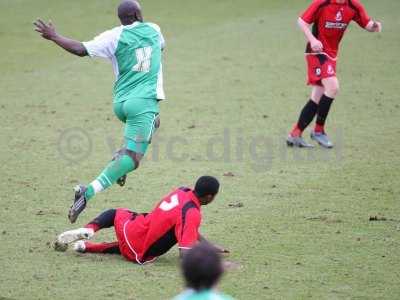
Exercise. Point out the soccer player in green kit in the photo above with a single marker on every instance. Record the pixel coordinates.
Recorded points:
(135, 50)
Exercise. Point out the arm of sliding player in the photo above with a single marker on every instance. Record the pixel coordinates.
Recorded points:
(219, 249)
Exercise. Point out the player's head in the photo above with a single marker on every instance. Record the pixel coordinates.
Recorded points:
(206, 189)
(129, 11)
(202, 267)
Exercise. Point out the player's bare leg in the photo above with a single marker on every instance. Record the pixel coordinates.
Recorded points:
(307, 114)
(316, 93)
(331, 89)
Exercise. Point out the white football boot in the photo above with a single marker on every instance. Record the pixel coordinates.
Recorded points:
(71, 236)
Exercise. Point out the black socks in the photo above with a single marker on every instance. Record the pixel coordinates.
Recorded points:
(105, 219)
(307, 114)
(323, 109)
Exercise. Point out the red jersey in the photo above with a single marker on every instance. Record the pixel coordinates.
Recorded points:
(330, 21)
(176, 219)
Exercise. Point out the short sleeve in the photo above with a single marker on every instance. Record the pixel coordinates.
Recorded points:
(311, 13)
(105, 44)
(158, 29)
(187, 234)
(361, 17)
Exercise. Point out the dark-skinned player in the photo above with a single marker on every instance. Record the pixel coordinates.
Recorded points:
(134, 49)
(142, 237)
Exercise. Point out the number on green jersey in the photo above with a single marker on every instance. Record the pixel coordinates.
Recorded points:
(143, 58)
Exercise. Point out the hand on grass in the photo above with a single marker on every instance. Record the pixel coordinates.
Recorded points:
(221, 250)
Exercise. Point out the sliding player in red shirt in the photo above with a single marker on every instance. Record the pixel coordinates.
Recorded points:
(141, 238)
(330, 19)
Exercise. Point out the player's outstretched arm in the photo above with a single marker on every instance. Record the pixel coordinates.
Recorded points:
(48, 32)
(316, 45)
(363, 19)
(374, 26)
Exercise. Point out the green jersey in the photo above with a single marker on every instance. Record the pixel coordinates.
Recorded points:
(203, 295)
(135, 53)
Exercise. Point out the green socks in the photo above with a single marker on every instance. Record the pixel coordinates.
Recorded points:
(115, 169)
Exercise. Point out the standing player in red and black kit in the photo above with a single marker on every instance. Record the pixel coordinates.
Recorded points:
(141, 238)
(330, 19)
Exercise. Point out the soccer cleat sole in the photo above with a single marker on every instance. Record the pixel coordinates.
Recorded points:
(60, 247)
(121, 181)
(293, 145)
(325, 146)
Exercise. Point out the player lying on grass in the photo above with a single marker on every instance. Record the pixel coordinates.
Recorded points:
(142, 237)
(330, 19)
(134, 49)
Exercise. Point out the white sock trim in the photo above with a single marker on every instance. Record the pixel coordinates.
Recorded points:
(106, 179)
(97, 186)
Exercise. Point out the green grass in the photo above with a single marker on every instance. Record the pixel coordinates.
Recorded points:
(303, 231)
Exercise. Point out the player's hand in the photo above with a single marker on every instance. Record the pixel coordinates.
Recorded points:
(316, 45)
(47, 31)
(377, 26)
(221, 250)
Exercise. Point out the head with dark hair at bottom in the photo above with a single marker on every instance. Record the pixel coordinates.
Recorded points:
(129, 11)
(206, 188)
(202, 267)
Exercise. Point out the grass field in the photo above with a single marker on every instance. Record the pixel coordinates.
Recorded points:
(296, 221)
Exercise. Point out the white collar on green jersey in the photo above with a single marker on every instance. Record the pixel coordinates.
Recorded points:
(134, 24)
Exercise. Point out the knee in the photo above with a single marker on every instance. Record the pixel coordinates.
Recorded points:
(136, 157)
(332, 91)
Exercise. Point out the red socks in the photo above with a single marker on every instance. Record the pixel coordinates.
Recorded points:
(319, 128)
(111, 248)
(296, 131)
(93, 226)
